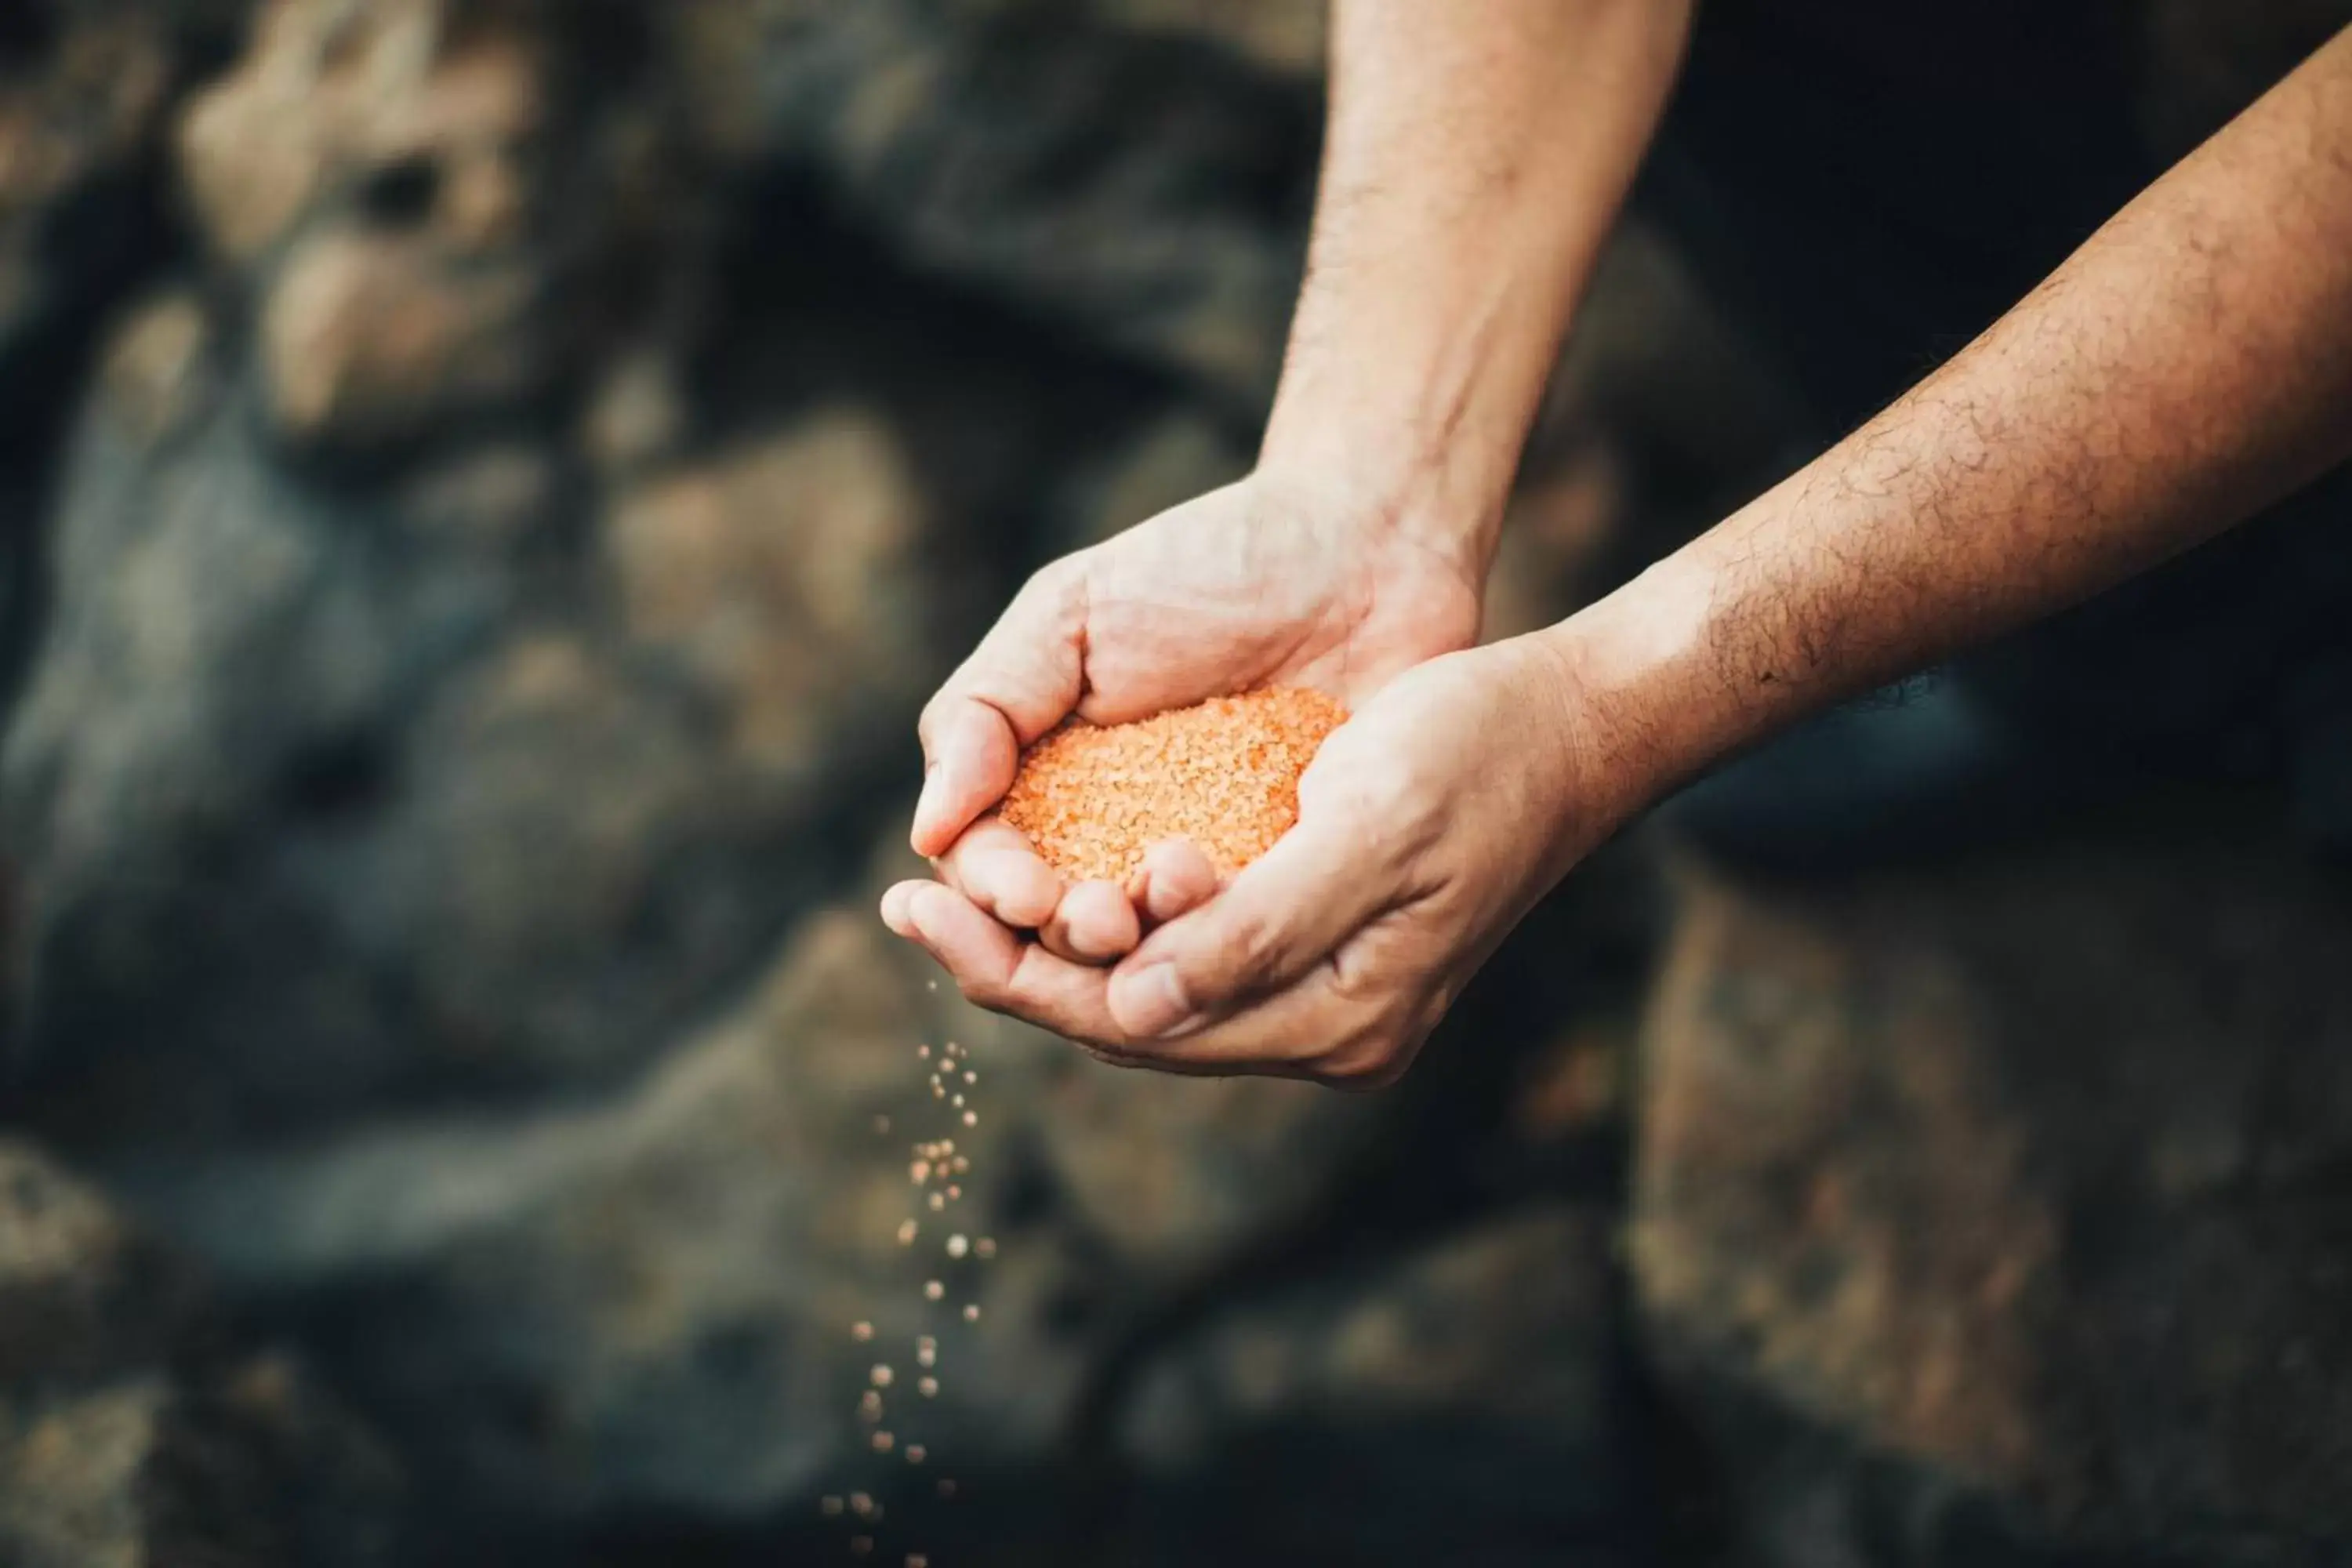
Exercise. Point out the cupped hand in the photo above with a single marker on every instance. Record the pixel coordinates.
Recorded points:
(1261, 583)
(1428, 825)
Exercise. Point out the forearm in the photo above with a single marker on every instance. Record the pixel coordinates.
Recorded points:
(2191, 362)
(1477, 157)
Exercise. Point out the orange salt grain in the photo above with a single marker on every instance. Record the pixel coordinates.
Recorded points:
(1224, 774)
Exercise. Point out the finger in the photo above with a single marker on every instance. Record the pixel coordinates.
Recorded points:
(995, 970)
(1023, 678)
(895, 900)
(1300, 1033)
(1354, 1021)
(974, 752)
(997, 869)
(1175, 878)
(1095, 925)
(1279, 917)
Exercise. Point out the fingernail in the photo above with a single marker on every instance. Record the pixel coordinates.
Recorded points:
(1151, 1003)
(914, 915)
(935, 786)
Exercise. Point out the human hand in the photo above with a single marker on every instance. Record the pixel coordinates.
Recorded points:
(1263, 582)
(1428, 825)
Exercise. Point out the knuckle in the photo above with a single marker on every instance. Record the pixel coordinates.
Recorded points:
(1242, 952)
(1362, 1072)
(982, 992)
(1374, 1056)
(1351, 979)
(1052, 586)
(932, 720)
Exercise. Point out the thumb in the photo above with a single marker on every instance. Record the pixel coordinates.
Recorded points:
(1284, 914)
(1023, 678)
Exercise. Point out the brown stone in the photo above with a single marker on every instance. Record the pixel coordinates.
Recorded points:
(365, 338)
(373, 176)
(786, 576)
(82, 1290)
(328, 98)
(2030, 1175)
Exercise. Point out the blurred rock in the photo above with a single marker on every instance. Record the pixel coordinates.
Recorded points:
(1453, 1405)
(74, 1490)
(255, 1473)
(1148, 190)
(369, 165)
(2204, 64)
(325, 795)
(1171, 458)
(430, 203)
(359, 339)
(773, 569)
(82, 1293)
(1564, 515)
(1283, 35)
(82, 93)
(647, 1305)
(1174, 1177)
(124, 1440)
(2007, 1209)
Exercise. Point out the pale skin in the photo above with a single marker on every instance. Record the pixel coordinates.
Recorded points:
(2191, 362)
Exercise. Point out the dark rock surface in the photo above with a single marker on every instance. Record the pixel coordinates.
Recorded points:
(2024, 1189)
(132, 1431)
(1143, 187)
(647, 1303)
(1494, 1348)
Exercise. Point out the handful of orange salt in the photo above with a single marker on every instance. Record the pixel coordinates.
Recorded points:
(1223, 773)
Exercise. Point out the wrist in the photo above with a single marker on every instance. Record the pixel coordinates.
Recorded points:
(1441, 505)
(1648, 711)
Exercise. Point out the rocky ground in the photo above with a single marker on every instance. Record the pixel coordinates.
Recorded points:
(483, 489)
